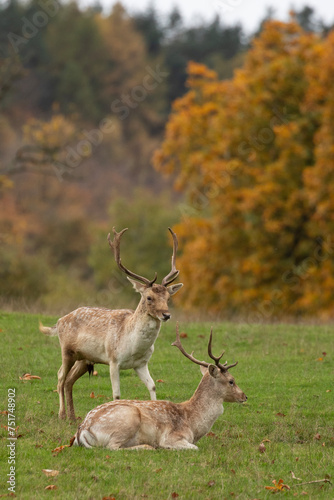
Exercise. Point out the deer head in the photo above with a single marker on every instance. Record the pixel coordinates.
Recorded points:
(154, 297)
(221, 383)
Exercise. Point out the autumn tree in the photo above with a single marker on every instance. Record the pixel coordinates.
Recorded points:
(254, 157)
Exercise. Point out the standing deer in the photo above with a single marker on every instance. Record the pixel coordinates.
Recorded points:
(163, 424)
(122, 338)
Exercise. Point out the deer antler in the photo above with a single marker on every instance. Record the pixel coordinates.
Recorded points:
(178, 344)
(174, 272)
(115, 245)
(216, 359)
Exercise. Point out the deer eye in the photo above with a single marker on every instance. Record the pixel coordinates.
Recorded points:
(231, 382)
(149, 299)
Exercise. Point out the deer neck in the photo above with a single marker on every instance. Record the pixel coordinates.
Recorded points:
(144, 322)
(203, 408)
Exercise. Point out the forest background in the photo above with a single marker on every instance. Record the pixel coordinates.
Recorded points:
(142, 121)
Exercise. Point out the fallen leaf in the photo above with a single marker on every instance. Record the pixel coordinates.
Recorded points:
(317, 436)
(160, 381)
(174, 495)
(324, 353)
(262, 448)
(279, 414)
(294, 477)
(158, 470)
(211, 435)
(211, 483)
(51, 487)
(278, 486)
(5, 412)
(50, 472)
(329, 390)
(92, 395)
(108, 498)
(183, 335)
(320, 359)
(28, 376)
(95, 373)
(266, 441)
(60, 448)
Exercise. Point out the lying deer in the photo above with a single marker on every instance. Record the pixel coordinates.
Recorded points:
(163, 424)
(122, 338)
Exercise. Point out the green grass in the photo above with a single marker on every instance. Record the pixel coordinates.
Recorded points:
(290, 401)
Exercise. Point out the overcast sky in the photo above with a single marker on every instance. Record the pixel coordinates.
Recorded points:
(248, 12)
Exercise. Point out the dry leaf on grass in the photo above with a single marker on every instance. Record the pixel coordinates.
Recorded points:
(28, 376)
(60, 448)
(278, 486)
(92, 395)
(262, 448)
(50, 472)
(51, 487)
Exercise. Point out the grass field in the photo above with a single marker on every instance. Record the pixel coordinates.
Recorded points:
(287, 372)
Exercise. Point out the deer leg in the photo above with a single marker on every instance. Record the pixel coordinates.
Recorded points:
(175, 442)
(68, 362)
(144, 375)
(115, 383)
(78, 369)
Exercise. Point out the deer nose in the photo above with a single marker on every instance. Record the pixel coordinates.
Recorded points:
(166, 316)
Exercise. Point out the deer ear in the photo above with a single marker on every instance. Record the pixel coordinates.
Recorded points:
(203, 369)
(139, 287)
(214, 371)
(172, 289)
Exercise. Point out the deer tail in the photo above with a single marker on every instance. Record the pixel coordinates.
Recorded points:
(47, 330)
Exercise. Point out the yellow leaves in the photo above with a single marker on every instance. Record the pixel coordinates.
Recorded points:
(5, 182)
(255, 159)
(278, 486)
(200, 70)
(51, 135)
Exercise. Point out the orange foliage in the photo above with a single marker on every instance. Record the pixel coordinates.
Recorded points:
(255, 158)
